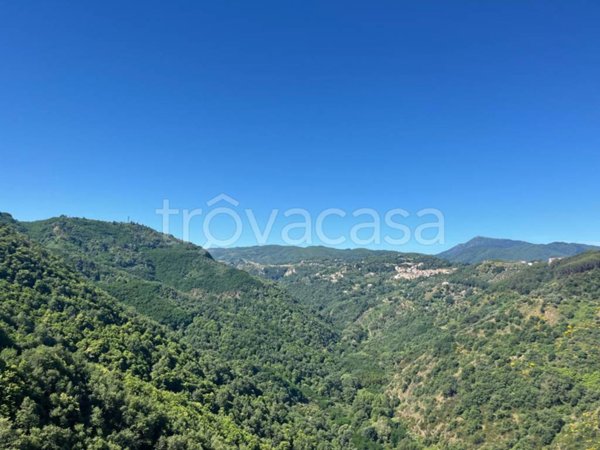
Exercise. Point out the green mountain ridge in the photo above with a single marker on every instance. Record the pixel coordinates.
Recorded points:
(281, 254)
(483, 249)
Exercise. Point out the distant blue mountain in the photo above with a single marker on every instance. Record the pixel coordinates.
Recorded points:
(483, 248)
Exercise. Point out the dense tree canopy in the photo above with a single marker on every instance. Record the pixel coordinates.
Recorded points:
(115, 336)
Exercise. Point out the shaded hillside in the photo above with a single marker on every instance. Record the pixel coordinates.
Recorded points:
(137, 250)
(486, 249)
(281, 254)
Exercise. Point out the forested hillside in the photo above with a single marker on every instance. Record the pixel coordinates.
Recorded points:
(497, 355)
(116, 336)
(281, 254)
(79, 371)
(278, 359)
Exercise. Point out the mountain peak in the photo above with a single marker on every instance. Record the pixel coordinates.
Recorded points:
(482, 248)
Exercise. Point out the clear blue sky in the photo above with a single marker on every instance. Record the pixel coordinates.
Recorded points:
(488, 111)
